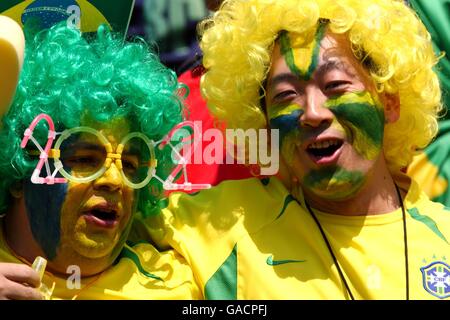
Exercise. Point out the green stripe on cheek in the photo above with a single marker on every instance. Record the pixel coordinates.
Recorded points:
(366, 122)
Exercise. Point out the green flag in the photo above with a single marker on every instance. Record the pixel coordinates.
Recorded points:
(435, 14)
(431, 169)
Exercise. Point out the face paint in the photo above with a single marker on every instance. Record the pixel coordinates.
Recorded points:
(89, 240)
(85, 224)
(346, 124)
(364, 117)
(43, 205)
(301, 51)
(334, 183)
(96, 214)
(285, 119)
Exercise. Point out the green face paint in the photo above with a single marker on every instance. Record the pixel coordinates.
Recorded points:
(334, 183)
(364, 118)
(301, 51)
(277, 111)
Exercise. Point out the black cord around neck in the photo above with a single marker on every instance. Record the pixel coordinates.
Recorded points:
(336, 263)
(405, 240)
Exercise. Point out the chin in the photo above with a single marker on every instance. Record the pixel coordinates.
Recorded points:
(341, 192)
(94, 246)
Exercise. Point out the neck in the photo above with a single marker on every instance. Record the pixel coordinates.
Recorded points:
(377, 196)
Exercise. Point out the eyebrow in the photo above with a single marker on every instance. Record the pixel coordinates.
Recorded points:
(282, 77)
(86, 145)
(132, 151)
(331, 65)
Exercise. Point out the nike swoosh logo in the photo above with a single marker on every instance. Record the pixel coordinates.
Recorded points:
(272, 262)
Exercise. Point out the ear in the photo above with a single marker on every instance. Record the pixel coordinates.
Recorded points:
(16, 190)
(391, 107)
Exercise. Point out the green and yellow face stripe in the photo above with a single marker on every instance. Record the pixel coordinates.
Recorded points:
(334, 182)
(280, 110)
(360, 113)
(301, 51)
(364, 116)
(285, 118)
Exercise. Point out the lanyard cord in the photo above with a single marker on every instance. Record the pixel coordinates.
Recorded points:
(338, 267)
(405, 241)
(341, 275)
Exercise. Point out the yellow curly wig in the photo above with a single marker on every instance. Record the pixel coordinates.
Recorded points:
(237, 44)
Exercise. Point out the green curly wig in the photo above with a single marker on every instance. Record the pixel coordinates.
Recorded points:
(68, 77)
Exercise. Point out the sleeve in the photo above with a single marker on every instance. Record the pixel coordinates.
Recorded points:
(205, 228)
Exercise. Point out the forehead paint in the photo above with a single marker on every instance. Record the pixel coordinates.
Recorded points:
(334, 182)
(365, 119)
(43, 205)
(301, 51)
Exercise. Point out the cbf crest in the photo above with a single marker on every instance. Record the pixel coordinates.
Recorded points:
(436, 279)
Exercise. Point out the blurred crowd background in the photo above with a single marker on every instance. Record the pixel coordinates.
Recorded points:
(171, 25)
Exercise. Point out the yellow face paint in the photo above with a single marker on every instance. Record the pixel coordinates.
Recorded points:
(285, 118)
(282, 110)
(95, 217)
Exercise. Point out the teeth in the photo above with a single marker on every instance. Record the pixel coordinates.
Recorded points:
(323, 144)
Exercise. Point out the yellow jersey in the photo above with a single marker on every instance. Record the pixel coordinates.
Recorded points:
(140, 272)
(251, 239)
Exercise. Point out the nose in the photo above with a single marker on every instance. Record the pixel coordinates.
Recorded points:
(315, 114)
(110, 180)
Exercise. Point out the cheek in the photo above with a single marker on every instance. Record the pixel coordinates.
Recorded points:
(366, 124)
(43, 205)
(130, 198)
(287, 124)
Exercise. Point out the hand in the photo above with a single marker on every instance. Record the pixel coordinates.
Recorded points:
(19, 282)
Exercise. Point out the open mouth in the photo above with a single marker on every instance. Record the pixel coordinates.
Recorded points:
(324, 150)
(102, 216)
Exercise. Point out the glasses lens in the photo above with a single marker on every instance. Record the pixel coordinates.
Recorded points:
(82, 154)
(136, 160)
